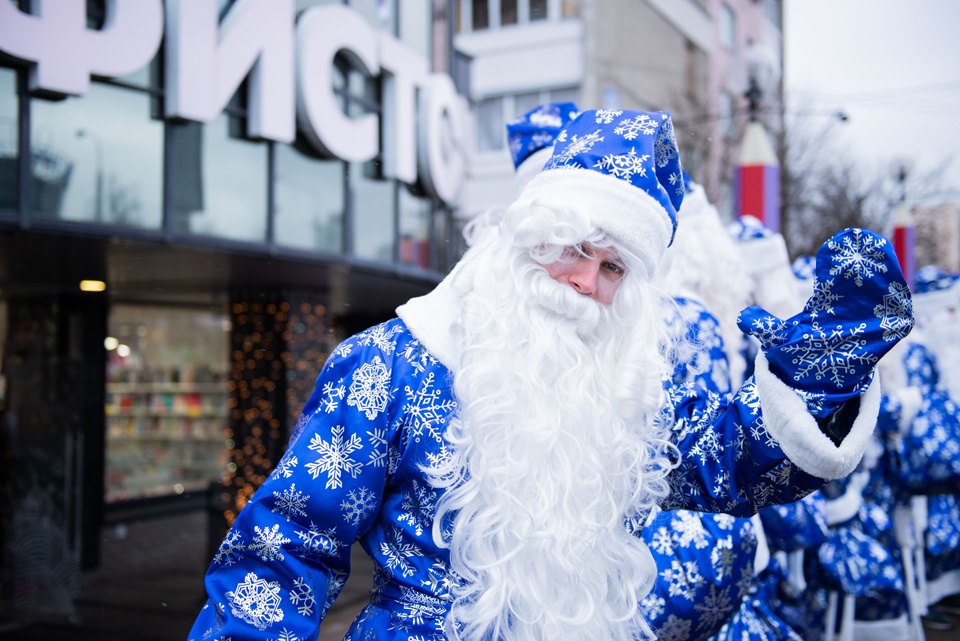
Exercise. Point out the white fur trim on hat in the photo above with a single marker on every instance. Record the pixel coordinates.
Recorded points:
(530, 167)
(627, 213)
(787, 420)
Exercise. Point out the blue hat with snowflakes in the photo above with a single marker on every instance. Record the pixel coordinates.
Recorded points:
(531, 137)
(537, 129)
(623, 168)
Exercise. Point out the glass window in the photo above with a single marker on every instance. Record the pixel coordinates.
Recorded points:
(538, 10)
(728, 27)
(414, 229)
(524, 102)
(218, 185)
(568, 94)
(308, 201)
(98, 158)
(480, 15)
(166, 401)
(373, 214)
(490, 125)
(508, 12)
(416, 23)
(9, 140)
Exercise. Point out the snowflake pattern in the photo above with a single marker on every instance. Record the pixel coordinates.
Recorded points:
(286, 466)
(823, 299)
(624, 166)
(316, 544)
(302, 596)
(607, 116)
(358, 505)
(428, 409)
(333, 393)
(267, 543)
(381, 337)
(369, 391)
(858, 257)
(335, 456)
(231, 549)
(630, 128)
(895, 313)
(290, 503)
(829, 354)
(256, 601)
(577, 146)
(665, 147)
(419, 506)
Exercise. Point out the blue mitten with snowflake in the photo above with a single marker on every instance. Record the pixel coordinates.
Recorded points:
(860, 309)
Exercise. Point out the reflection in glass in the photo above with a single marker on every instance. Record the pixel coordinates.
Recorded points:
(414, 229)
(481, 15)
(166, 403)
(508, 12)
(490, 125)
(524, 102)
(538, 10)
(373, 210)
(308, 201)
(218, 183)
(9, 140)
(98, 158)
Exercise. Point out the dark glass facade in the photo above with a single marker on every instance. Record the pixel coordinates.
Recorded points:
(231, 266)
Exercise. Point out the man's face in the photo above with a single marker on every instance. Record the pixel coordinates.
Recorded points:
(592, 271)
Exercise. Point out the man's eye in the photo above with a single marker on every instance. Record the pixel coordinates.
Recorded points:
(614, 268)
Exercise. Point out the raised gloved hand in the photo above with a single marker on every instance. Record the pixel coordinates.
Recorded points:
(860, 309)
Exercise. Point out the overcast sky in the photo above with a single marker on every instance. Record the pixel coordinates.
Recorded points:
(893, 66)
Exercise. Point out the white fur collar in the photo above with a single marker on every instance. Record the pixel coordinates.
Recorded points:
(432, 319)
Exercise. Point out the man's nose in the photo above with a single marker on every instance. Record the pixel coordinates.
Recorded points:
(584, 274)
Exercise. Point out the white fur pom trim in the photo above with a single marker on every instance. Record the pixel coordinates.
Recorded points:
(627, 213)
(531, 166)
(786, 418)
(761, 255)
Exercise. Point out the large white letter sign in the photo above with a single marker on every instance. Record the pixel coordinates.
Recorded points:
(207, 61)
(54, 37)
(403, 71)
(322, 32)
(442, 155)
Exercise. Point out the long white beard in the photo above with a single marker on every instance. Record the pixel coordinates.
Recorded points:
(556, 446)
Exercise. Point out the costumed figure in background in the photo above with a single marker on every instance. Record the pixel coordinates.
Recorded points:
(706, 561)
(930, 446)
(490, 446)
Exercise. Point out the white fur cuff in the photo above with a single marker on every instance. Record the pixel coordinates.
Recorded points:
(786, 418)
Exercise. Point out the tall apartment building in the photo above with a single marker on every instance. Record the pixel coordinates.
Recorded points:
(688, 57)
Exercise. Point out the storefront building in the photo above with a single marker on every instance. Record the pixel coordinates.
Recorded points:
(198, 200)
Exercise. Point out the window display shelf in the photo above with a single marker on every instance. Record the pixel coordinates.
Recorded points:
(166, 388)
(113, 410)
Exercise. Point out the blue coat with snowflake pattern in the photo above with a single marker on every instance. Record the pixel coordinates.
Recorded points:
(352, 472)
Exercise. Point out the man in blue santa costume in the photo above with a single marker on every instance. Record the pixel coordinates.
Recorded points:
(491, 446)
